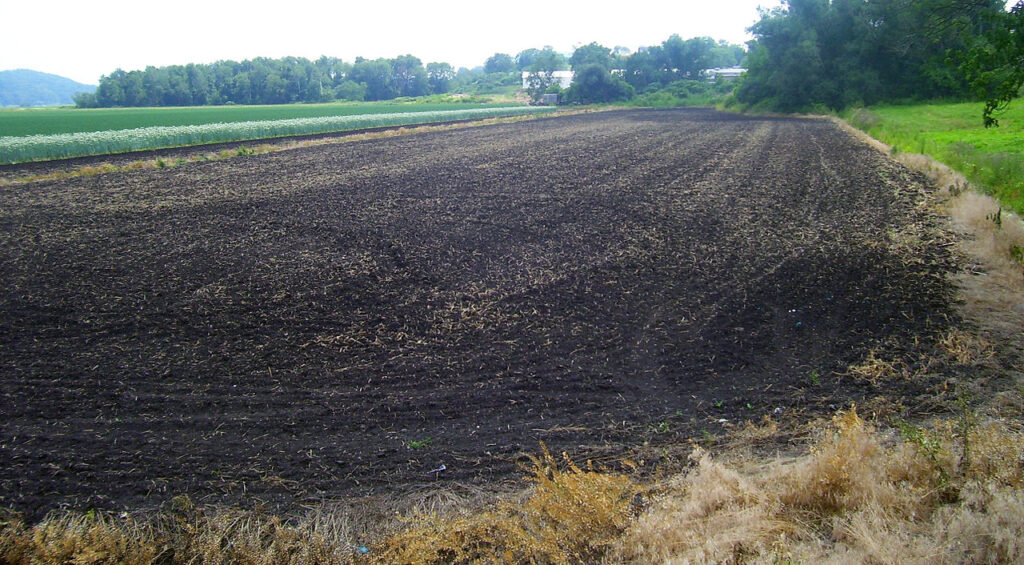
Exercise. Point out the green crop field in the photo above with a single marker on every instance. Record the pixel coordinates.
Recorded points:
(20, 149)
(993, 158)
(47, 121)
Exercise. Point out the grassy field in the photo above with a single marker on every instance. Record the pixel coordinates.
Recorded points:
(48, 121)
(953, 133)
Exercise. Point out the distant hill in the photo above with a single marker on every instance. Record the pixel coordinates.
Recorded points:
(23, 87)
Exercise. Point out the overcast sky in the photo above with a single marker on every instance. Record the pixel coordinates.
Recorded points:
(83, 40)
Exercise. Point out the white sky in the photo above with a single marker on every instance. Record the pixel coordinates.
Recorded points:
(83, 40)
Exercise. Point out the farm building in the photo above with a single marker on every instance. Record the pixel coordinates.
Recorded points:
(562, 78)
(731, 73)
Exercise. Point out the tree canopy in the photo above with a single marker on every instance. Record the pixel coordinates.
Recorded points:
(592, 54)
(677, 59)
(841, 52)
(499, 63)
(594, 83)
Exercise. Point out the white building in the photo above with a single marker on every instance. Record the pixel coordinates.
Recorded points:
(562, 78)
(731, 73)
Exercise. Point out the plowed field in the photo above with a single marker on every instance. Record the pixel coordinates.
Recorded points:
(346, 318)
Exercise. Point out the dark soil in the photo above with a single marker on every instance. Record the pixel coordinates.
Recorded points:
(343, 319)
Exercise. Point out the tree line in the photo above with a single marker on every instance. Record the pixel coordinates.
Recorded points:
(270, 81)
(296, 79)
(608, 75)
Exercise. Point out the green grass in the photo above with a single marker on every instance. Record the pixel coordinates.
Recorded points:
(47, 121)
(954, 134)
(684, 93)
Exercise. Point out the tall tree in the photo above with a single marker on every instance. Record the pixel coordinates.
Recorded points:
(409, 76)
(548, 60)
(591, 54)
(525, 58)
(646, 67)
(110, 91)
(688, 58)
(499, 63)
(594, 83)
(440, 77)
(376, 77)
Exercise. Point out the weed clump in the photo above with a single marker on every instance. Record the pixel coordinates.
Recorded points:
(571, 515)
(77, 538)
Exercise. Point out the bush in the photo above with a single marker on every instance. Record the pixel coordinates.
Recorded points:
(593, 83)
(351, 90)
(684, 93)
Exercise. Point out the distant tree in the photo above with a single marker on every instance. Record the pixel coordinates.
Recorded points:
(547, 60)
(133, 88)
(331, 69)
(619, 56)
(499, 63)
(440, 77)
(350, 90)
(646, 68)
(85, 100)
(110, 91)
(688, 58)
(592, 54)
(275, 89)
(541, 72)
(538, 83)
(155, 82)
(464, 76)
(178, 92)
(376, 77)
(198, 83)
(525, 58)
(593, 83)
(408, 76)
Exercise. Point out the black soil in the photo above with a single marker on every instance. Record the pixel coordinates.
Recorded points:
(343, 319)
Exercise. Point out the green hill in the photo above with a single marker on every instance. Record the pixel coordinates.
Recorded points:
(23, 87)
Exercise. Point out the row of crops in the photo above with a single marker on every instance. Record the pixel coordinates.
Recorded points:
(59, 146)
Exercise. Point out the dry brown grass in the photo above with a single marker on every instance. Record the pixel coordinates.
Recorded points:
(965, 348)
(874, 369)
(190, 536)
(994, 235)
(571, 515)
(859, 496)
(77, 539)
